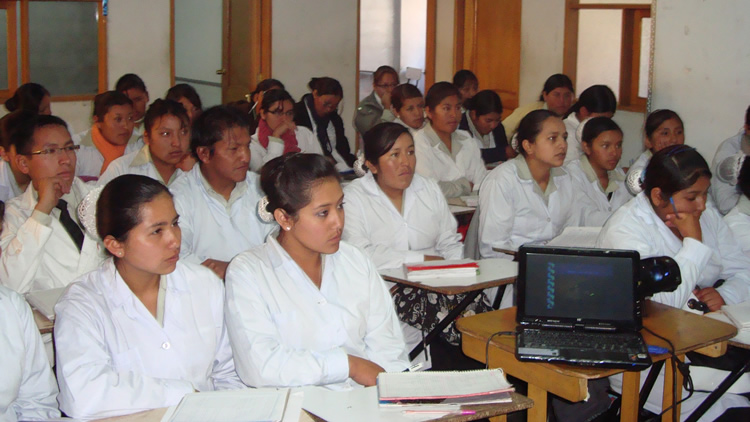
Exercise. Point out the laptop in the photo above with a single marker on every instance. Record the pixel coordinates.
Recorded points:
(579, 306)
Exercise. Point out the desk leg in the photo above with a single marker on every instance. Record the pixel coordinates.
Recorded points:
(538, 412)
(630, 385)
(671, 379)
(452, 315)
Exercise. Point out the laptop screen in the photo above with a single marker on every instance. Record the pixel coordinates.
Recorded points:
(577, 285)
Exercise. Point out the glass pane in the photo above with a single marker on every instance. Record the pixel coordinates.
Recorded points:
(63, 47)
(3, 49)
(645, 57)
(599, 45)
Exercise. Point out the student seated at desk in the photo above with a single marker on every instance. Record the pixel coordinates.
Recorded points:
(595, 101)
(399, 217)
(12, 180)
(723, 192)
(306, 308)
(447, 155)
(670, 217)
(42, 242)
(217, 199)
(277, 134)
(595, 173)
(167, 139)
(738, 219)
(663, 128)
(133, 87)
(317, 112)
(557, 96)
(482, 119)
(467, 84)
(110, 137)
(143, 329)
(407, 104)
(376, 107)
(30, 97)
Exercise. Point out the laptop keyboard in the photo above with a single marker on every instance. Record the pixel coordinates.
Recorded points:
(548, 339)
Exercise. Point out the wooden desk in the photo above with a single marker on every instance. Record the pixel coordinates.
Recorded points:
(687, 331)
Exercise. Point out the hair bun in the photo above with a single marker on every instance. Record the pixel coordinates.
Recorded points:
(360, 169)
(634, 181)
(514, 142)
(263, 212)
(87, 211)
(728, 171)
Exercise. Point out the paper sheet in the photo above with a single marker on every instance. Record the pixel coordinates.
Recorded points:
(45, 301)
(233, 406)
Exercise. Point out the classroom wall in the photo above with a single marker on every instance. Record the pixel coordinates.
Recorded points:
(379, 37)
(316, 38)
(700, 68)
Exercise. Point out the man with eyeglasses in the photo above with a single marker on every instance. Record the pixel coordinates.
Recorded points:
(43, 243)
(376, 107)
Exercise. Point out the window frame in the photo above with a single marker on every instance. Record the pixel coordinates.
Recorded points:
(632, 15)
(22, 25)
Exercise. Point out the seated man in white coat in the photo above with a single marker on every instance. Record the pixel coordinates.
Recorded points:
(167, 139)
(218, 199)
(43, 244)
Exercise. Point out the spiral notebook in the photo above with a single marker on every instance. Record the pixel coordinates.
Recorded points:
(443, 387)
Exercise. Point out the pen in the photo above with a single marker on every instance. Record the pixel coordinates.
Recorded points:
(415, 367)
(671, 200)
(440, 412)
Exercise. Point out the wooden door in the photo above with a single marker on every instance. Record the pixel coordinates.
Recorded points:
(246, 47)
(488, 42)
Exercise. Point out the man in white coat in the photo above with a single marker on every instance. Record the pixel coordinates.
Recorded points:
(43, 244)
(218, 199)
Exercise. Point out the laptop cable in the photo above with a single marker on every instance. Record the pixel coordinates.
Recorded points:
(487, 346)
(677, 365)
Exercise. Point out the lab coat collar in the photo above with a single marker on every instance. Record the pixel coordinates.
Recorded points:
(457, 139)
(743, 205)
(614, 176)
(120, 294)
(278, 257)
(370, 185)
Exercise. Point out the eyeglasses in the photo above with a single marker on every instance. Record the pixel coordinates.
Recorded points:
(54, 151)
(387, 86)
(280, 112)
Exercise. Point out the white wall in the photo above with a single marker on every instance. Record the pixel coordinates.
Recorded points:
(542, 34)
(701, 67)
(379, 39)
(413, 35)
(316, 38)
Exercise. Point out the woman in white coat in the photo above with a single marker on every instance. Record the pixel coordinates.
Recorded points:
(407, 104)
(277, 133)
(594, 101)
(398, 217)
(663, 128)
(738, 219)
(143, 329)
(447, 155)
(306, 308)
(723, 191)
(670, 217)
(600, 182)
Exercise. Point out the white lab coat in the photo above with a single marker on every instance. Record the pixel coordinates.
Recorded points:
(575, 150)
(596, 207)
(306, 141)
(137, 162)
(512, 212)
(28, 390)
(636, 226)
(287, 332)
(209, 230)
(724, 194)
(114, 358)
(639, 166)
(391, 238)
(8, 187)
(40, 256)
(738, 221)
(464, 162)
(89, 160)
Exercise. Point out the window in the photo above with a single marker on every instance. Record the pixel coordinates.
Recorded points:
(62, 46)
(609, 43)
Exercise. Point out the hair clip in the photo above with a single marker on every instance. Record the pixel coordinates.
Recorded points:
(263, 212)
(728, 170)
(360, 169)
(635, 181)
(87, 211)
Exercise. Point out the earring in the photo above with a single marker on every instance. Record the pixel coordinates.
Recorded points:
(287, 228)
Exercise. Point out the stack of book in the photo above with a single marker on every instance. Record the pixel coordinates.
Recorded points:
(441, 269)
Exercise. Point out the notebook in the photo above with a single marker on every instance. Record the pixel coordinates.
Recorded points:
(579, 306)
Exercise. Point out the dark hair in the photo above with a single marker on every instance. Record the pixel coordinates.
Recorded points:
(27, 97)
(9, 125)
(23, 137)
(381, 138)
(657, 117)
(326, 86)
(531, 126)
(130, 81)
(272, 97)
(747, 116)
(438, 92)
(673, 169)
(211, 126)
(743, 180)
(596, 99)
(485, 102)
(184, 91)
(288, 179)
(596, 126)
(265, 85)
(558, 80)
(464, 76)
(106, 100)
(118, 208)
(160, 108)
(382, 71)
(403, 92)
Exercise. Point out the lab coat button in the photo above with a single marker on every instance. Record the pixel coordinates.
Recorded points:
(549, 219)
(165, 345)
